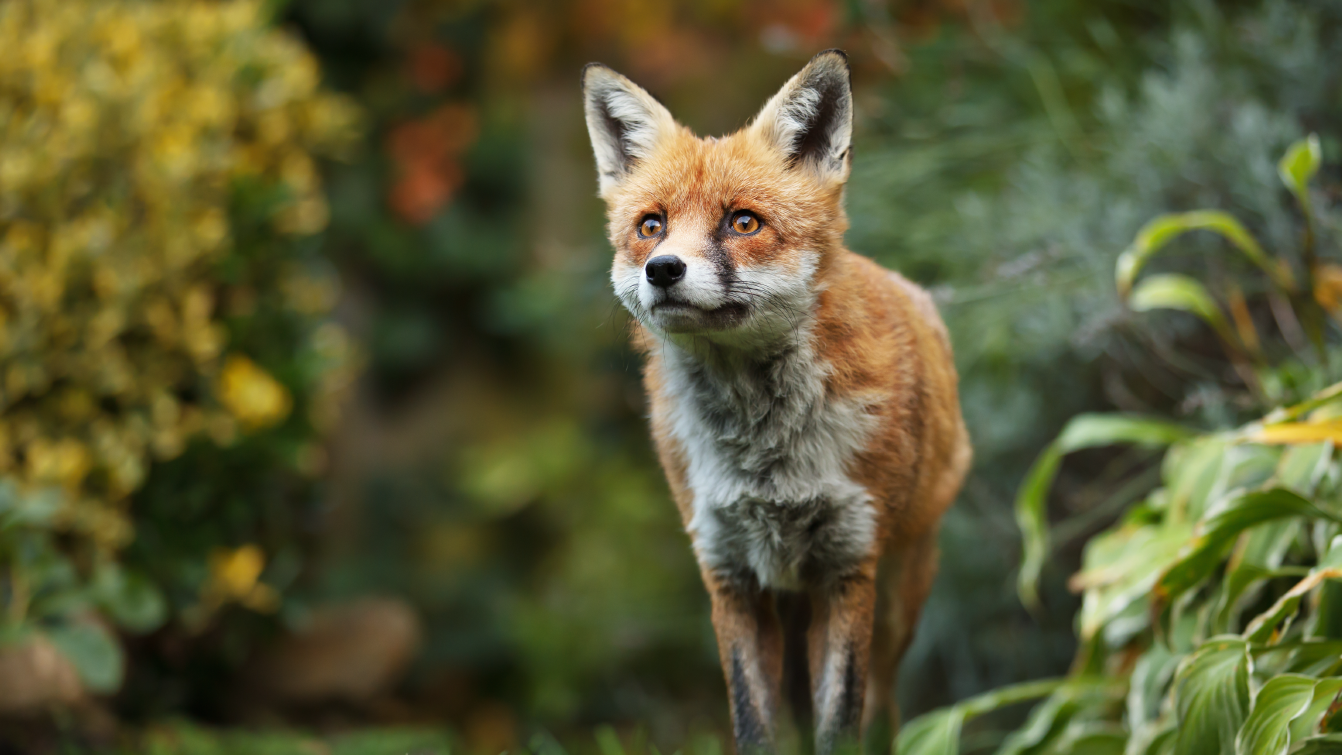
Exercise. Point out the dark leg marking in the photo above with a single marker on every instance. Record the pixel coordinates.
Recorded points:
(751, 735)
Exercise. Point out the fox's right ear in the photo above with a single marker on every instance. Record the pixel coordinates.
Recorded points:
(624, 121)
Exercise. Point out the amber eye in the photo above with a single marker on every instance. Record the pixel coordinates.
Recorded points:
(745, 223)
(651, 226)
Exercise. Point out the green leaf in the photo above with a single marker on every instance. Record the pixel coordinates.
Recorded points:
(1220, 530)
(1315, 658)
(1267, 730)
(1263, 626)
(1211, 696)
(1051, 720)
(1328, 744)
(1303, 467)
(1299, 165)
(1163, 229)
(936, 733)
(129, 598)
(1122, 567)
(1180, 292)
(1306, 724)
(1083, 431)
(1255, 561)
(94, 652)
(1146, 688)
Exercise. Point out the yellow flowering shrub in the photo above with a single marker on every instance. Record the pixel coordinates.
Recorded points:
(126, 128)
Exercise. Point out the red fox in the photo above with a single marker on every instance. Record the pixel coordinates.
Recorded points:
(803, 399)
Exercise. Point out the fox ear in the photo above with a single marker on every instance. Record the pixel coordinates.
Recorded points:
(810, 120)
(624, 121)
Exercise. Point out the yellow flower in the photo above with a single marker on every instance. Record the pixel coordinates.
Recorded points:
(234, 576)
(251, 394)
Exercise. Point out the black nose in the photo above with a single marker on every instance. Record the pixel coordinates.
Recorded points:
(664, 270)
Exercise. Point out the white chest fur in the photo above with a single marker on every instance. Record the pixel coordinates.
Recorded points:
(768, 455)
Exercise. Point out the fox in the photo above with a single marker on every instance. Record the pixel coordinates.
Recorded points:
(803, 400)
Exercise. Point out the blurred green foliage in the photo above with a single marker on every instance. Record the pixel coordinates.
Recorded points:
(1209, 613)
(164, 312)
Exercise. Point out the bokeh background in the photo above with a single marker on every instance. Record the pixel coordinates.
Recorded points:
(318, 411)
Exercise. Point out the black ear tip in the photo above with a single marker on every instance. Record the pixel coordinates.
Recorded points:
(832, 52)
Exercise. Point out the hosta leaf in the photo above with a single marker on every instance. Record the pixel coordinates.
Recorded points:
(1255, 561)
(1218, 531)
(1302, 467)
(1195, 473)
(1150, 676)
(1307, 723)
(1315, 658)
(1324, 397)
(936, 733)
(1328, 744)
(1092, 738)
(1051, 718)
(1114, 586)
(1299, 165)
(1267, 730)
(1263, 626)
(1160, 231)
(1084, 431)
(1211, 696)
(1180, 292)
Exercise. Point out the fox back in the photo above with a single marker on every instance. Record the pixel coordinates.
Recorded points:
(803, 400)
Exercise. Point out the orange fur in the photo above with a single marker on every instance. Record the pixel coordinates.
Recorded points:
(878, 342)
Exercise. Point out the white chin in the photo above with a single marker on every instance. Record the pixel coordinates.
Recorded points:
(688, 319)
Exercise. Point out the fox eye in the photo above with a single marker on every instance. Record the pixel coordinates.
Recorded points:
(745, 223)
(651, 226)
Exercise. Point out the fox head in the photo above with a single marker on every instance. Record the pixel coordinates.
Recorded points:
(723, 238)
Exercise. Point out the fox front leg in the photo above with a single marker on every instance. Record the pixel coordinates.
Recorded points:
(839, 645)
(750, 644)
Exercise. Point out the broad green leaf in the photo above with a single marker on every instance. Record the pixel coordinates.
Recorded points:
(1160, 231)
(1261, 629)
(1254, 561)
(1016, 693)
(1328, 744)
(1323, 398)
(935, 733)
(1211, 696)
(1302, 467)
(1195, 474)
(1299, 165)
(1307, 723)
(1315, 658)
(94, 653)
(1092, 738)
(1146, 689)
(1051, 719)
(938, 732)
(1267, 730)
(1220, 530)
(1084, 431)
(1112, 586)
(1180, 292)
(130, 599)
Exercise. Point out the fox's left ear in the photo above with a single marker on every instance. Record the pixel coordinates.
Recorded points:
(810, 120)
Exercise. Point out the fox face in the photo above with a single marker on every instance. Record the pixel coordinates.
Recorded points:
(723, 239)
